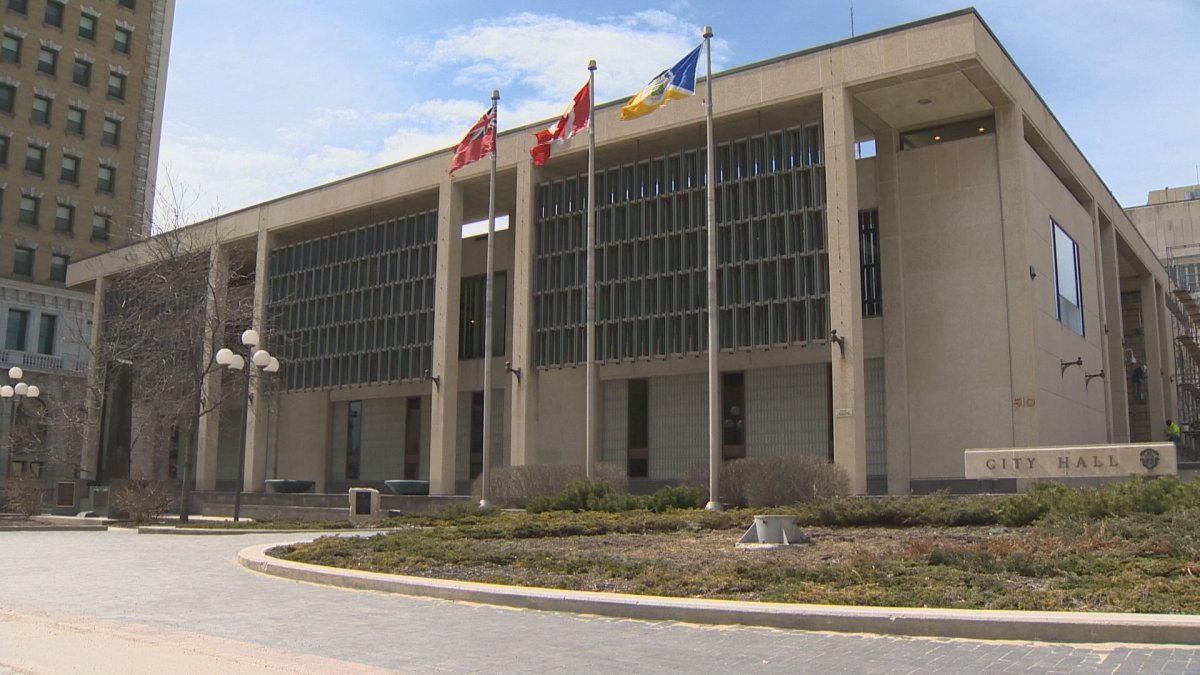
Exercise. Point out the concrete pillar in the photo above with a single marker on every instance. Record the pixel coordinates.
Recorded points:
(257, 414)
(523, 424)
(1010, 150)
(1102, 310)
(895, 341)
(1115, 382)
(90, 453)
(845, 288)
(210, 392)
(1166, 341)
(444, 415)
(1155, 401)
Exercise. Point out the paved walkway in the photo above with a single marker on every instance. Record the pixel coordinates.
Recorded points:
(119, 597)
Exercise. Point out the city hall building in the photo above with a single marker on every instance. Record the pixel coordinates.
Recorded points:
(985, 287)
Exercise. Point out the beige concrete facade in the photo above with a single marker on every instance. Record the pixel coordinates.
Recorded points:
(970, 348)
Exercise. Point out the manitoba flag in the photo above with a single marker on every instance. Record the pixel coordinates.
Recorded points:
(478, 142)
(575, 119)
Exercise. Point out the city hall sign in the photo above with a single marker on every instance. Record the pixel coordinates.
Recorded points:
(1072, 461)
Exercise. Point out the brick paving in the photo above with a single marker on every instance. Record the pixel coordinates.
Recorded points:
(192, 584)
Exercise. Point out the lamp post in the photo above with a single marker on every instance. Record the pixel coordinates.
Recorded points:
(259, 358)
(13, 393)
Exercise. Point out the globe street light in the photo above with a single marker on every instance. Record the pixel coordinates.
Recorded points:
(261, 359)
(13, 393)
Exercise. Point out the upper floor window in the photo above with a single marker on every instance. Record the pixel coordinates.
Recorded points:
(54, 14)
(75, 119)
(35, 159)
(64, 219)
(128, 4)
(8, 96)
(82, 74)
(111, 134)
(3, 150)
(471, 316)
(41, 110)
(29, 210)
(23, 261)
(106, 178)
(58, 268)
(46, 329)
(47, 60)
(19, 6)
(116, 85)
(1066, 280)
(10, 48)
(121, 40)
(101, 224)
(70, 169)
(18, 325)
(87, 26)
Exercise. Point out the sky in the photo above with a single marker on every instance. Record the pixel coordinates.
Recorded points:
(270, 97)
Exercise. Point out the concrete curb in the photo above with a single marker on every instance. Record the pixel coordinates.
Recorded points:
(1074, 627)
(171, 529)
(55, 528)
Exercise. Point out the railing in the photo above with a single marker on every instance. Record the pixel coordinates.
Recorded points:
(44, 363)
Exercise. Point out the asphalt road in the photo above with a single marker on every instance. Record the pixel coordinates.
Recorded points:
(120, 602)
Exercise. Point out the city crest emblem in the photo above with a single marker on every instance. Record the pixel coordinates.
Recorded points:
(658, 88)
(1149, 458)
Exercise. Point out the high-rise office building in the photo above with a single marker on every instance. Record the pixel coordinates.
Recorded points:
(81, 93)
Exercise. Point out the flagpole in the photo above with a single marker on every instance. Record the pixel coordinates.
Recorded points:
(714, 345)
(593, 422)
(487, 313)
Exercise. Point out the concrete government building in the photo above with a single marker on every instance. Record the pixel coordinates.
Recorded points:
(987, 287)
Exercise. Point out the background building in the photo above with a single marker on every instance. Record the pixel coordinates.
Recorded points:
(81, 93)
(980, 277)
(1170, 222)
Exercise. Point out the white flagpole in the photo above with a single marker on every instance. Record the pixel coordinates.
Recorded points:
(714, 345)
(487, 313)
(593, 422)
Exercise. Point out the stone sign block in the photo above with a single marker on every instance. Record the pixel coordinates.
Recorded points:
(1072, 461)
(364, 504)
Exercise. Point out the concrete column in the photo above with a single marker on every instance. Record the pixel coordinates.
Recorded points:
(90, 453)
(210, 393)
(1010, 151)
(444, 414)
(1152, 343)
(895, 340)
(256, 417)
(845, 288)
(1102, 309)
(1114, 381)
(1166, 341)
(523, 424)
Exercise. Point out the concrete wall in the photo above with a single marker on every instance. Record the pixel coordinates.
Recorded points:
(1071, 412)
(958, 391)
(1169, 224)
(304, 436)
(561, 404)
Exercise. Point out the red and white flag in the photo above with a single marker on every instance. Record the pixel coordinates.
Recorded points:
(478, 143)
(576, 118)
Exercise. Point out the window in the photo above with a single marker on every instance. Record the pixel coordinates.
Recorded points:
(101, 224)
(733, 415)
(47, 325)
(82, 75)
(1066, 280)
(471, 316)
(106, 179)
(70, 169)
(637, 457)
(476, 443)
(41, 110)
(58, 269)
(353, 439)
(23, 261)
(3, 150)
(121, 40)
(35, 159)
(87, 26)
(47, 61)
(127, 4)
(54, 14)
(10, 49)
(112, 132)
(19, 6)
(29, 210)
(18, 324)
(8, 95)
(116, 85)
(75, 119)
(64, 218)
(868, 253)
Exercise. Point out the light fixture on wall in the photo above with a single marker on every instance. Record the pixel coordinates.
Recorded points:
(1067, 364)
(840, 340)
(435, 379)
(1088, 377)
(515, 371)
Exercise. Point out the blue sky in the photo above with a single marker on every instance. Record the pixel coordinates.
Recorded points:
(269, 97)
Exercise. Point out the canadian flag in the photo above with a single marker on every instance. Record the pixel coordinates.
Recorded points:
(576, 118)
